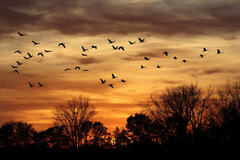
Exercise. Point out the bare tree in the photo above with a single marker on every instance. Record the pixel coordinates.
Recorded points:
(179, 111)
(73, 116)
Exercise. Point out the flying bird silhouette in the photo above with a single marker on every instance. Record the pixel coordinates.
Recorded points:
(111, 85)
(142, 67)
(158, 66)
(19, 63)
(111, 41)
(35, 43)
(84, 54)
(166, 53)
(40, 84)
(121, 47)
(14, 66)
(131, 43)
(93, 46)
(113, 76)
(30, 56)
(205, 49)
(201, 55)
(85, 70)
(62, 44)
(47, 51)
(124, 81)
(30, 84)
(77, 67)
(25, 57)
(218, 51)
(141, 40)
(184, 61)
(84, 49)
(114, 47)
(67, 69)
(175, 57)
(102, 81)
(146, 58)
(40, 54)
(21, 34)
(18, 51)
(16, 71)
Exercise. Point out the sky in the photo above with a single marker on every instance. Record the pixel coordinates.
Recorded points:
(182, 28)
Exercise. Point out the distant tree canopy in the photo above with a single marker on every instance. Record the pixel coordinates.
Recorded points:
(183, 114)
(16, 134)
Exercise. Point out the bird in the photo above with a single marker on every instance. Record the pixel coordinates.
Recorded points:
(175, 57)
(85, 70)
(84, 49)
(47, 51)
(19, 63)
(111, 41)
(40, 54)
(30, 84)
(121, 47)
(142, 67)
(205, 49)
(218, 51)
(146, 58)
(111, 85)
(141, 40)
(25, 57)
(16, 71)
(67, 69)
(93, 46)
(40, 84)
(14, 66)
(158, 66)
(18, 51)
(84, 54)
(30, 56)
(77, 67)
(184, 61)
(102, 81)
(21, 34)
(35, 43)
(131, 43)
(201, 55)
(114, 47)
(166, 53)
(62, 44)
(122, 80)
(113, 76)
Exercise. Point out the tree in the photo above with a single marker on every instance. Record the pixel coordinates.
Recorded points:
(139, 125)
(121, 137)
(178, 112)
(100, 135)
(225, 121)
(72, 117)
(16, 134)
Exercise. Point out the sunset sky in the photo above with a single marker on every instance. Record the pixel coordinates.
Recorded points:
(182, 28)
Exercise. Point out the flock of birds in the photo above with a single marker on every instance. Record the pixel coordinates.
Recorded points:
(114, 47)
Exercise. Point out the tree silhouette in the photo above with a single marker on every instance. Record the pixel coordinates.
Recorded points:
(225, 121)
(16, 134)
(100, 135)
(73, 117)
(121, 137)
(179, 112)
(140, 127)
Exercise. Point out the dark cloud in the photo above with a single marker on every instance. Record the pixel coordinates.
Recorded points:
(97, 17)
(90, 60)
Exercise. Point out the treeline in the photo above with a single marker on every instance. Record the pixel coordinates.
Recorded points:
(185, 115)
